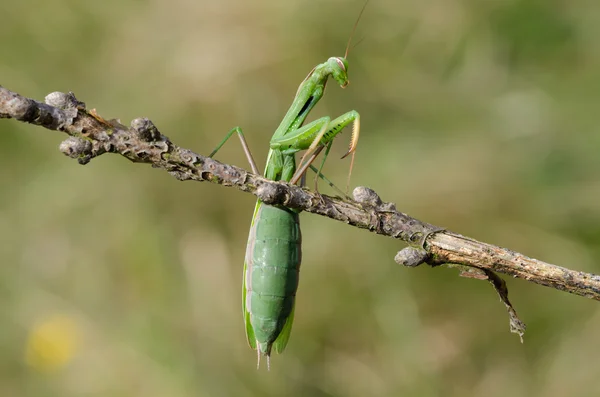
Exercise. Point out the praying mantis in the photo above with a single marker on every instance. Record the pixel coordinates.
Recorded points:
(273, 252)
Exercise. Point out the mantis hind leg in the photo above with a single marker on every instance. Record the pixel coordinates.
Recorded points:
(245, 147)
(318, 173)
(328, 181)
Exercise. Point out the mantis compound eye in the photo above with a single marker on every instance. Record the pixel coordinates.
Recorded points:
(341, 64)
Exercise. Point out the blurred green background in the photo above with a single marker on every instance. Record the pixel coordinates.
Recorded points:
(478, 116)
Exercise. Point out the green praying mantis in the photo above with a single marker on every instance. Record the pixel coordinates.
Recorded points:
(273, 252)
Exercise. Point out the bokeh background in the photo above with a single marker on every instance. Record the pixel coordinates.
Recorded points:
(478, 116)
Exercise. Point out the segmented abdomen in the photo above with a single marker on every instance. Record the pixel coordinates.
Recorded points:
(273, 258)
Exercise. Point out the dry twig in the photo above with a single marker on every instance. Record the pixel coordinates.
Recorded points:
(91, 135)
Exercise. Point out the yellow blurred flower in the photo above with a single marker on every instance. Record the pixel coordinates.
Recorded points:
(52, 343)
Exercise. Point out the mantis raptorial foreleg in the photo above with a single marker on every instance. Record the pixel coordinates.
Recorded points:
(320, 132)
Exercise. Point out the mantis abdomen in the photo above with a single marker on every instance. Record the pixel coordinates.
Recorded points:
(271, 273)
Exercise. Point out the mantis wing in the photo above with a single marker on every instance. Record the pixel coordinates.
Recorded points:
(250, 337)
(284, 336)
(249, 330)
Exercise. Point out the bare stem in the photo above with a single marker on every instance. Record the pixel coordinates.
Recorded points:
(91, 135)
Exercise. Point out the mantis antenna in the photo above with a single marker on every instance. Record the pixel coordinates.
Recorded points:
(354, 30)
(345, 57)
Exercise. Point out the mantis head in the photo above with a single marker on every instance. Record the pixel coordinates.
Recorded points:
(339, 70)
